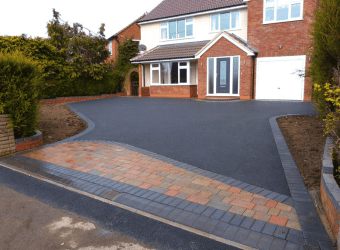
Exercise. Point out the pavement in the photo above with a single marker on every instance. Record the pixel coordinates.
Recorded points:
(226, 177)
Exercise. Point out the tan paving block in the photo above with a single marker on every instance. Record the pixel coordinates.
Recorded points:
(181, 183)
(236, 210)
(223, 187)
(248, 213)
(271, 203)
(117, 178)
(172, 193)
(145, 186)
(165, 185)
(261, 216)
(273, 211)
(214, 185)
(224, 193)
(198, 200)
(190, 191)
(237, 196)
(259, 196)
(201, 182)
(260, 208)
(208, 189)
(283, 207)
(244, 204)
(288, 215)
(175, 187)
(293, 224)
(204, 194)
(134, 183)
(182, 196)
(235, 190)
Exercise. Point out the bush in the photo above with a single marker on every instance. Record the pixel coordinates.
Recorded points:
(19, 84)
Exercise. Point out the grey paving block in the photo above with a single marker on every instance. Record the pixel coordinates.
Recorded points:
(278, 244)
(265, 242)
(200, 222)
(154, 208)
(296, 232)
(242, 235)
(182, 216)
(106, 190)
(183, 204)
(218, 205)
(133, 191)
(154, 196)
(247, 222)
(161, 198)
(191, 207)
(237, 220)
(252, 239)
(140, 203)
(175, 202)
(281, 198)
(264, 192)
(258, 226)
(99, 191)
(165, 212)
(281, 232)
(123, 187)
(269, 229)
(127, 189)
(209, 211)
(200, 209)
(94, 189)
(220, 228)
(210, 225)
(147, 194)
(292, 246)
(227, 217)
(217, 214)
(326, 245)
(230, 232)
(257, 190)
(158, 190)
(141, 192)
(295, 239)
(312, 243)
(173, 214)
(190, 220)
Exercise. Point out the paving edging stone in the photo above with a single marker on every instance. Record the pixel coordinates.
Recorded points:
(313, 230)
(330, 191)
(7, 142)
(79, 98)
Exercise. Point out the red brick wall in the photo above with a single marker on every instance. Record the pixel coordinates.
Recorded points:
(180, 91)
(293, 36)
(145, 91)
(225, 48)
(132, 30)
(330, 211)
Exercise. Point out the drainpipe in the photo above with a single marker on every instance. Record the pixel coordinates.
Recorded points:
(253, 83)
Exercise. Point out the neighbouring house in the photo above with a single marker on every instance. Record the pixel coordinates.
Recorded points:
(247, 49)
(132, 30)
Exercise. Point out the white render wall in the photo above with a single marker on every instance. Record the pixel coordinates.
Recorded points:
(151, 33)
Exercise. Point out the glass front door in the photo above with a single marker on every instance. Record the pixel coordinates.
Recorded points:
(223, 76)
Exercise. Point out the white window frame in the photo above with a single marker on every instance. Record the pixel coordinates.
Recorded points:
(168, 29)
(275, 5)
(219, 21)
(110, 47)
(231, 76)
(187, 67)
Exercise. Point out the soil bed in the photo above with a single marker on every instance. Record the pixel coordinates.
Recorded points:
(58, 122)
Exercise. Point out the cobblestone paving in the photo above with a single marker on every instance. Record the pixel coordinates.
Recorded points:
(133, 168)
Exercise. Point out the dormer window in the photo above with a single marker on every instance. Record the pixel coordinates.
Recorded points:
(225, 21)
(177, 29)
(282, 10)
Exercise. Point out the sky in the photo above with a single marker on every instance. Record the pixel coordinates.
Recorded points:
(31, 16)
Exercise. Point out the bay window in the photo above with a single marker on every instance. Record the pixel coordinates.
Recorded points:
(170, 73)
(225, 21)
(282, 10)
(177, 29)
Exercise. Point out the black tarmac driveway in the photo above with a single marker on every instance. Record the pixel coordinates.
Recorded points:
(229, 138)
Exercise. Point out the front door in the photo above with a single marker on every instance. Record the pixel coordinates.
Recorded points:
(223, 76)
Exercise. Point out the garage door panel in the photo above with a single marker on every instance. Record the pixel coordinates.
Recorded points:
(278, 78)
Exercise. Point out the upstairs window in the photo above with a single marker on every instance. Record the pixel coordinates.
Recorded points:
(110, 47)
(177, 29)
(225, 21)
(282, 10)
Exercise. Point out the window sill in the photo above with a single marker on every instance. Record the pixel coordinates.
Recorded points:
(177, 84)
(285, 21)
(217, 31)
(183, 38)
(223, 95)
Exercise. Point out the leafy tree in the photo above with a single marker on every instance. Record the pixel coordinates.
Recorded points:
(85, 52)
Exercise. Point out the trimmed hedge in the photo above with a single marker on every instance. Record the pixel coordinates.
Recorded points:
(19, 89)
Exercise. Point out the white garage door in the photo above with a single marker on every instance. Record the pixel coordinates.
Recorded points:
(278, 78)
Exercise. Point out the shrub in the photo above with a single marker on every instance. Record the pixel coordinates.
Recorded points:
(19, 83)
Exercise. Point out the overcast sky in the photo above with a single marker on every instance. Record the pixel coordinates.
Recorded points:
(31, 16)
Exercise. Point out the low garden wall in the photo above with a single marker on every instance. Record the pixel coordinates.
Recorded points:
(9, 145)
(79, 98)
(330, 191)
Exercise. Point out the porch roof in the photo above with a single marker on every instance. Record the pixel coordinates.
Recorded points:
(171, 51)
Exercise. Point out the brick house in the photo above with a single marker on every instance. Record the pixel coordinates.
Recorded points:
(133, 29)
(243, 49)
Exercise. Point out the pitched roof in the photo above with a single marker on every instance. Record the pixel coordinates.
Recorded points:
(138, 19)
(171, 51)
(169, 8)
